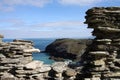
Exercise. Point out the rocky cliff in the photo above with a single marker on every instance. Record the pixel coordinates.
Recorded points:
(101, 59)
(67, 48)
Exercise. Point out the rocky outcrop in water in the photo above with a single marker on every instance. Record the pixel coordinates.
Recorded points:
(67, 48)
(101, 59)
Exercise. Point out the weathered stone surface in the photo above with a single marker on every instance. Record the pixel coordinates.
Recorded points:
(34, 65)
(92, 78)
(99, 53)
(44, 68)
(7, 76)
(99, 62)
(59, 67)
(101, 58)
(104, 40)
(14, 56)
(113, 75)
(108, 29)
(26, 72)
(70, 72)
(2, 56)
(10, 61)
(31, 50)
(38, 76)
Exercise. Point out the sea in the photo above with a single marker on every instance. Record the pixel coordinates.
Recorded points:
(40, 44)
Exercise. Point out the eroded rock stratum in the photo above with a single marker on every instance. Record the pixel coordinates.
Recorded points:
(101, 59)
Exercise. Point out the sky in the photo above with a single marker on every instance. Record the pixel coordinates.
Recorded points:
(47, 18)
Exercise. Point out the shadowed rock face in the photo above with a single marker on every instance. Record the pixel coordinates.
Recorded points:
(67, 48)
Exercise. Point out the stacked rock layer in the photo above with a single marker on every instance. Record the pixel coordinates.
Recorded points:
(102, 57)
(13, 58)
(16, 63)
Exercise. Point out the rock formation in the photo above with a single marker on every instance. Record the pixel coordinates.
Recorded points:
(67, 48)
(13, 58)
(102, 59)
(16, 64)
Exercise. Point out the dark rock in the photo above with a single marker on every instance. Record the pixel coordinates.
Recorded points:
(68, 48)
(56, 58)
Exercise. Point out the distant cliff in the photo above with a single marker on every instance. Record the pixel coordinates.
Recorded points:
(67, 48)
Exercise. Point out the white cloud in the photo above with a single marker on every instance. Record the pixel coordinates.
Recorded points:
(61, 23)
(13, 21)
(37, 3)
(59, 26)
(43, 30)
(49, 26)
(46, 34)
(9, 5)
(5, 8)
(79, 2)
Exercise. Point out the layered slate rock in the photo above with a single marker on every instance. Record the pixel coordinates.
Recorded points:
(16, 63)
(15, 57)
(101, 59)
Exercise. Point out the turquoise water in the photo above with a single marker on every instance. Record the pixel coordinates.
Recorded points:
(40, 44)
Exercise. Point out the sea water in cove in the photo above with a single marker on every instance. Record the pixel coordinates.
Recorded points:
(40, 44)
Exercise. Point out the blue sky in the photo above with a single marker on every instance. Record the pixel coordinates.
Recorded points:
(47, 18)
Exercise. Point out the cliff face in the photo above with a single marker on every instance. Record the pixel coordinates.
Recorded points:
(101, 59)
(67, 48)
